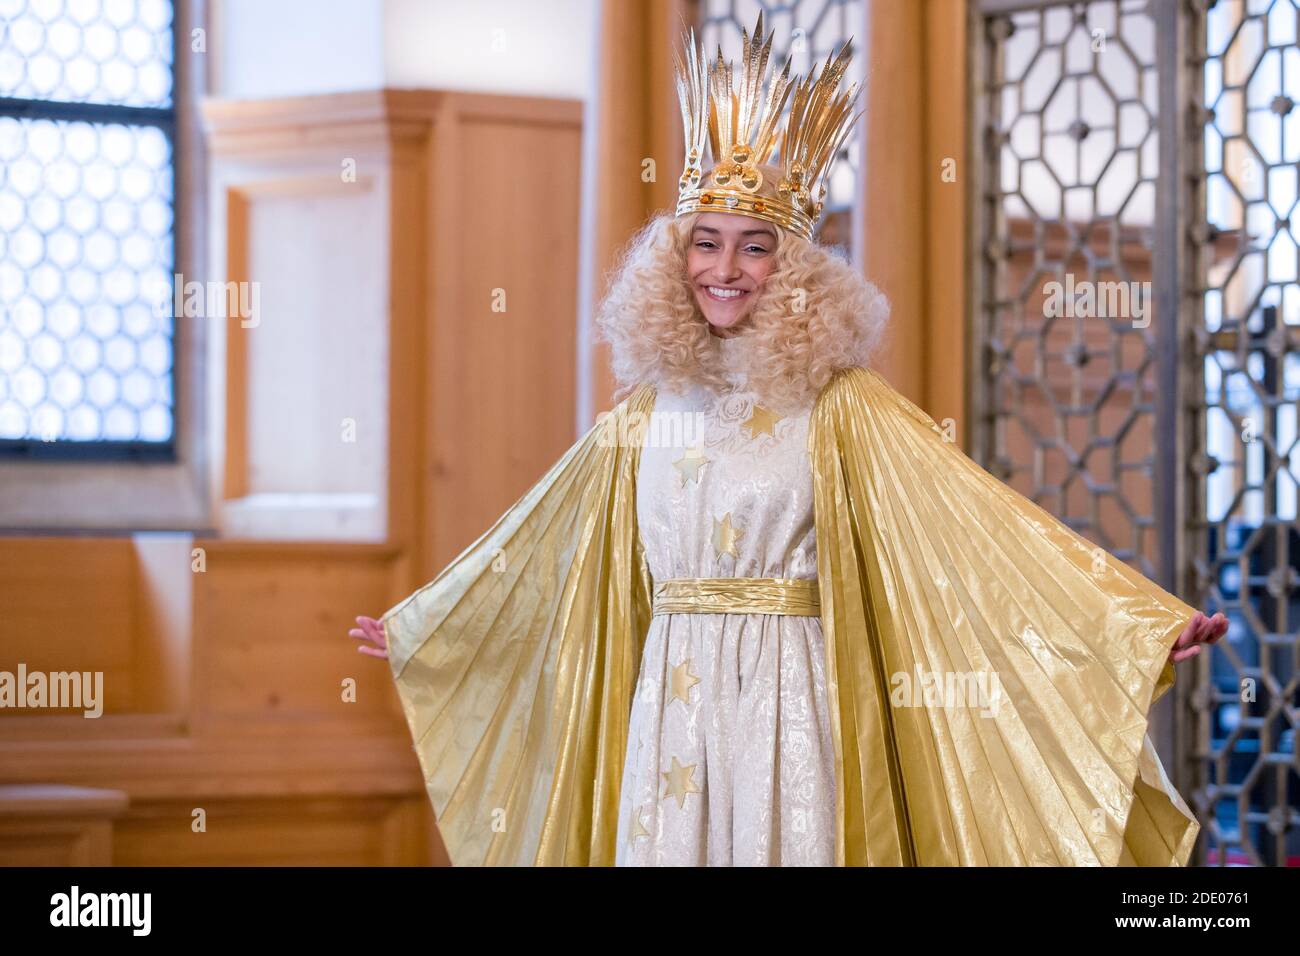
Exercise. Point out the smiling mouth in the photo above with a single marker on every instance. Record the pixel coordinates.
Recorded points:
(720, 294)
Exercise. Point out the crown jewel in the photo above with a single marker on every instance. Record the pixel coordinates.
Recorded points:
(742, 123)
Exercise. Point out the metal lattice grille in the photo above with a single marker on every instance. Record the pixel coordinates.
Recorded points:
(1245, 462)
(807, 31)
(86, 227)
(1166, 153)
(1072, 148)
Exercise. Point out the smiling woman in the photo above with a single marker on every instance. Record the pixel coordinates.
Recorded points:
(674, 651)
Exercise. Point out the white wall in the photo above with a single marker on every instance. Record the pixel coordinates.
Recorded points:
(270, 48)
(541, 47)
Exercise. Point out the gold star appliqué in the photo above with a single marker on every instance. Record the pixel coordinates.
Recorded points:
(690, 464)
(725, 536)
(683, 680)
(638, 826)
(762, 421)
(679, 782)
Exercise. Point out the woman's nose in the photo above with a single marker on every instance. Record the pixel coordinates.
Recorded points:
(727, 267)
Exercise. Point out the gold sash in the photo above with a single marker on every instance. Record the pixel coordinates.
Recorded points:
(737, 596)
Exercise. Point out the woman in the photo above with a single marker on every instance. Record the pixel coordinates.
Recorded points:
(693, 643)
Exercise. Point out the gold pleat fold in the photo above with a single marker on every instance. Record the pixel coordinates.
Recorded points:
(929, 564)
(516, 665)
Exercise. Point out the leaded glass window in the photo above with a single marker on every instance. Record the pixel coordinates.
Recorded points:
(87, 144)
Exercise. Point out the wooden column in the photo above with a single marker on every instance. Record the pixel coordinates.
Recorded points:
(911, 230)
(635, 117)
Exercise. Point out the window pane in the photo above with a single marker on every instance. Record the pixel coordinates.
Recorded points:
(85, 248)
(115, 52)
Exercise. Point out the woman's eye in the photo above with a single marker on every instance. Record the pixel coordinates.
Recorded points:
(710, 244)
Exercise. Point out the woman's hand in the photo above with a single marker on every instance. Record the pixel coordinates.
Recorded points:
(1200, 630)
(372, 631)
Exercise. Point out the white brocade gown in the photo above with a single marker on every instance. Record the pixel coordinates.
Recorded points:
(730, 758)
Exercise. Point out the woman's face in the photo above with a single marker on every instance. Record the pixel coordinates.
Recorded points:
(729, 258)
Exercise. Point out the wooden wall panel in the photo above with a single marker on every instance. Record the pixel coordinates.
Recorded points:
(367, 831)
(305, 395)
(265, 735)
(70, 604)
(505, 409)
(272, 645)
(316, 247)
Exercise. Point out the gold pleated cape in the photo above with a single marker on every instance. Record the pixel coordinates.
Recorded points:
(516, 666)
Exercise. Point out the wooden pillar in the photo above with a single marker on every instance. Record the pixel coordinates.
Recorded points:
(911, 225)
(945, 252)
(634, 117)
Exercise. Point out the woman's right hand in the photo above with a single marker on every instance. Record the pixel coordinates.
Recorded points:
(373, 632)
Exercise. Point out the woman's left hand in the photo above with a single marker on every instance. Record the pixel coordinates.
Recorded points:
(1200, 630)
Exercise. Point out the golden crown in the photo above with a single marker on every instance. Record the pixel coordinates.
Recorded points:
(743, 128)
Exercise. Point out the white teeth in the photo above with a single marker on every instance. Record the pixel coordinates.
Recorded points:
(725, 293)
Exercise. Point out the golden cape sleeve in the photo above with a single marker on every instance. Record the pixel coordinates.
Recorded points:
(931, 566)
(516, 665)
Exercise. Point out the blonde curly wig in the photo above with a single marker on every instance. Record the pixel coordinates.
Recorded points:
(814, 314)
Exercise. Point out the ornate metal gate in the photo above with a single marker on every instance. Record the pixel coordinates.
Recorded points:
(1136, 329)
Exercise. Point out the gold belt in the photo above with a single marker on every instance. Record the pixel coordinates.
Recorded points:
(737, 596)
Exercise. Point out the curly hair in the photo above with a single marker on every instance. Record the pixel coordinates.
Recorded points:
(814, 314)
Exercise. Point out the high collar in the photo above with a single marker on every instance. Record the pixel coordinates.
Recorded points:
(733, 354)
